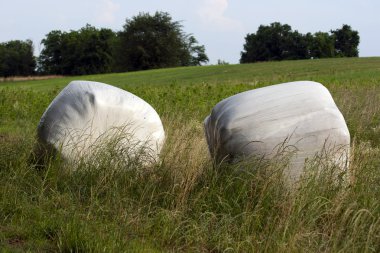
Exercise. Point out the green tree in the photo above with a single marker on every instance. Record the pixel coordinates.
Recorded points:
(16, 58)
(50, 58)
(321, 45)
(346, 41)
(86, 51)
(156, 41)
(295, 47)
(279, 42)
(274, 42)
(193, 53)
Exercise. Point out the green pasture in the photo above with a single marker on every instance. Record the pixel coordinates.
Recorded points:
(186, 203)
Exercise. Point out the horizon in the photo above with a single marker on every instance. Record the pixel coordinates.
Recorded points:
(219, 25)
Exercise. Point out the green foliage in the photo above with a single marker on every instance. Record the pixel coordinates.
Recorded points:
(346, 41)
(185, 203)
(146, 42)
(222, 62)
(86, 51)
(194, 54)
(274, 42)
(149, 42)
(279, 42)
(321, 45)
(16, 58)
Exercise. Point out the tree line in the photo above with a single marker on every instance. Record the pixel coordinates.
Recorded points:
(156, 41)
(279, 42)
(145, 42)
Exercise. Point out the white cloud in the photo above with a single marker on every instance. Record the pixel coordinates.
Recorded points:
(212, 13)
(106, 12)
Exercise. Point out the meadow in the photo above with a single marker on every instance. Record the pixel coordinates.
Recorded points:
(186, 202)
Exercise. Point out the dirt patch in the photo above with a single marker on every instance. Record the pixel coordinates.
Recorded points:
(27, 78)
(16, 241)
(9, 138)
(12, 240)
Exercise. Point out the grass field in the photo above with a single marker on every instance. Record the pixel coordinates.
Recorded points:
(186, 203)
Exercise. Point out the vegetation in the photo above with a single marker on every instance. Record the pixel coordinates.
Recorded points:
(156, 41)
(186, 203)
(278, 42)
(87, 51)
(16, 58)
(346, 41)
(149, 42)
(146, 42)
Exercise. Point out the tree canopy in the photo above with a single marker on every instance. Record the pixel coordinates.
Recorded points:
(346, 41)
(86, 51)
(146, 42)
(280, 42)
(156, 41)
(16, 58)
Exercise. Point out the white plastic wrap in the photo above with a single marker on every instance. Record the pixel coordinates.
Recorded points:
(301, 114)
(85, 113)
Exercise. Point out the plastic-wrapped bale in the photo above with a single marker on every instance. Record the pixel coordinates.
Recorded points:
(86, 114)
(301, 115)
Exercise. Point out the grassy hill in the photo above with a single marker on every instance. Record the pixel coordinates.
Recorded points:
(326, 71)
(186, 203)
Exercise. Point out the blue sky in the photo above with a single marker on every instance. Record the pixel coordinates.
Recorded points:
(220, 25)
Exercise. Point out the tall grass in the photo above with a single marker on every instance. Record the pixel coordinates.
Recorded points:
(186, 202)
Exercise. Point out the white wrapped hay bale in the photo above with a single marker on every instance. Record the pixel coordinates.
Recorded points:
(86, 114)
(301, 115)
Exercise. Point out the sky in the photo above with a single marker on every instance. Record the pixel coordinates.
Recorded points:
(220, 25)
